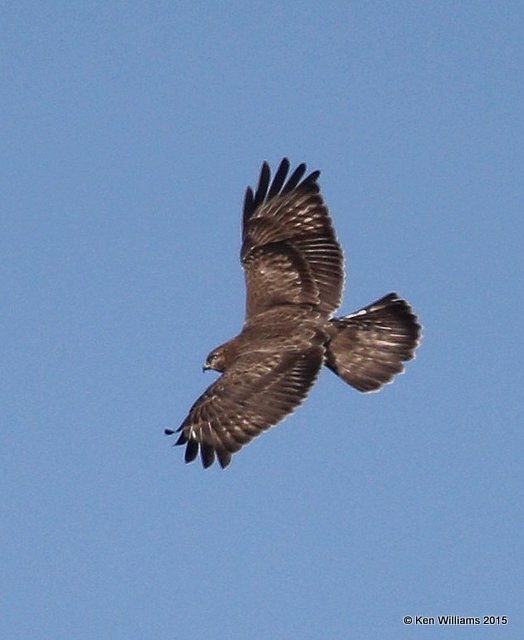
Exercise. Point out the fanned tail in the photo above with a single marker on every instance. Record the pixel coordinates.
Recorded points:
(367, 348)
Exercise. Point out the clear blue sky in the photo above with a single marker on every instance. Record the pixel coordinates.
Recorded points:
(130, 131)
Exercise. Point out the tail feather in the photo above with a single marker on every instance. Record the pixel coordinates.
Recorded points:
(367, 348)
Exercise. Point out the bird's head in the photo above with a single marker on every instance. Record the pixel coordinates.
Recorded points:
(215, 360)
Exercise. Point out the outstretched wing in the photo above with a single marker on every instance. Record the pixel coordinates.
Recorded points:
(367, 348)
(289, 250)
(256, 392)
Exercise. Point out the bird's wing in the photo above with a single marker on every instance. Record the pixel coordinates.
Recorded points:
(289, 251)
(257, 391)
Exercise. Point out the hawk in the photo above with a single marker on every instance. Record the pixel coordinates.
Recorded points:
(294, 274)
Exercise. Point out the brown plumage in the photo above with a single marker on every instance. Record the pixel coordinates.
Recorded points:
(294, 274)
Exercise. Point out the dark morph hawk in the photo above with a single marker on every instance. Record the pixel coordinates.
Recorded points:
(293, 266)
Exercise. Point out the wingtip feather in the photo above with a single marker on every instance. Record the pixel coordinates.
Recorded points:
(191, 450)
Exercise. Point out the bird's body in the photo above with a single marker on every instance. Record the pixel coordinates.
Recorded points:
(294, 273)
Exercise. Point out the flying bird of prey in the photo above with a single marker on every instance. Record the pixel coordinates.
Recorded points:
(294, 275)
